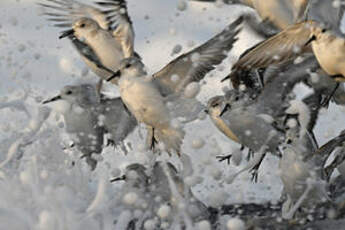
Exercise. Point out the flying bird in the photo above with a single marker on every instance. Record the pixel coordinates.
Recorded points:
(103, 35)
(147, 96)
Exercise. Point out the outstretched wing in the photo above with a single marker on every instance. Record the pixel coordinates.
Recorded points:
(111, 15)
(278, 49)
(194, 65)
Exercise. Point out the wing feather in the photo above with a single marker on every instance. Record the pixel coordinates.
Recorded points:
(194, 65)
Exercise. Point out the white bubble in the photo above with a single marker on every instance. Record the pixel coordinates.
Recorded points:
(242, 87)
(150, 225)
(78, 109)
(314, 77)
(130, 198)
(26, 177)
(172, 31)
(291, 123)
(44, 174)
(192, 90)
(235, 224)
(175, 78)
(198, 143)
(336, 3)
(163, 211)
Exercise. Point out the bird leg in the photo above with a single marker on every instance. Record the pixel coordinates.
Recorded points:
(99, 88)
(153, 140)
(255, 170)
(260, 78)
(223, 158)
(111, 142)
(228, 157)
(250, 154)
(325, 103)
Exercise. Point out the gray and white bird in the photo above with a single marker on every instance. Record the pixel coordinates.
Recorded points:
(147, 96)
(102, 36)
(87, 118)
(259, 124)
(309, 175)
(163, 184)
(319, 34)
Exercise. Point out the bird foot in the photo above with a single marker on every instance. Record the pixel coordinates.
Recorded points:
(223, 158)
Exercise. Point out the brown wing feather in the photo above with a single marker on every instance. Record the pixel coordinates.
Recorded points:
(278, 49)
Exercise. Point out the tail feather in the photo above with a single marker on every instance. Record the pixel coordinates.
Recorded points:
(171, 138)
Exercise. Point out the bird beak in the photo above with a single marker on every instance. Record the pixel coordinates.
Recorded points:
(226, 78)
(52, 99)
(206, 111)
(118, 178)
(116, 74)
(66, 33)
(227, 106)
(313, 38)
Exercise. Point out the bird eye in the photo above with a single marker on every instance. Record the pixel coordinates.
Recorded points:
(323, 30)
(82, 25)
(69, 92)
(128, 65)
(215, 104)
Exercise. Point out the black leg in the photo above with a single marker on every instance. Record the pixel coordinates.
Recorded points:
(255, 170)
(325, 103)
(250, 154)
(223, 158)
(153, 140)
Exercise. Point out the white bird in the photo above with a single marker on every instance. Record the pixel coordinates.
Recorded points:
(102, 36)
(319, 34)
(87, 118)
(146, 96)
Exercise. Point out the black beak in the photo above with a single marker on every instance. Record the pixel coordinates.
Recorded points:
(313, 38)
(52, 99)
(118, 178)
(227, 106)
(116, 74)
(226, 78)
(66, 33)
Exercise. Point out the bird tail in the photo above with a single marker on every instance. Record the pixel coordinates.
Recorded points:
(171, 138)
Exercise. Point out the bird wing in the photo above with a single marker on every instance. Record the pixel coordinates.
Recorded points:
(111, 15)
(194, 65)
(276, 50)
